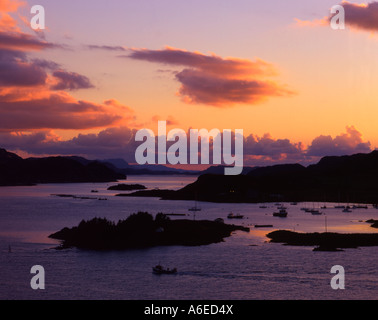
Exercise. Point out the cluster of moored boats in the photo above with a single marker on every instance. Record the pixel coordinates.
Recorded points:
(312, 211)
(282, 212)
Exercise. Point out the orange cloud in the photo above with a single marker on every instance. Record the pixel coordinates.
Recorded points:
(313, 23)
(7, 22)
(10, 5)
(199, 87)
(216, 81)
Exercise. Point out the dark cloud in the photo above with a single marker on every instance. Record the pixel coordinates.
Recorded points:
(55, 111)
(15, 70)
(208, 63)
(70, 81)
(357, 16)
(103, 47)
(361, 16)
(46, 64)
(23, 42)
(267, 146)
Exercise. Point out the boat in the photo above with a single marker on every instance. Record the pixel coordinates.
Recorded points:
(360, 206)
(347, 209)
(326, 248)
(282, 213)
(315, 212)
(234, 216)
(263, 226)
(195, 208)
(160, 270)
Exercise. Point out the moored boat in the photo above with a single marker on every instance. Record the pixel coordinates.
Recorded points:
(282, 213)
(234, 216)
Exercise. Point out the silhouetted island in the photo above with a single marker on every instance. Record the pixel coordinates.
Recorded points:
(142, 230)
(159, 193)
(127, 187)
(346, 179)
(15, 170)
(373, 223)
(327, 240)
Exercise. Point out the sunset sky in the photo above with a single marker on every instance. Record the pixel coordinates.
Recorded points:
(103, 69)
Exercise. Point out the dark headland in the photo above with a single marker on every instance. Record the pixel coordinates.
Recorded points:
(326, 240)
(349, 179)
(142, 230)
(16, 171)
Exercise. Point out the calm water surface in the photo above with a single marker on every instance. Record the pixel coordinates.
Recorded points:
(245, 266)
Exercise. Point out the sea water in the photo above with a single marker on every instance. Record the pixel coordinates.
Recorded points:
(245, 266)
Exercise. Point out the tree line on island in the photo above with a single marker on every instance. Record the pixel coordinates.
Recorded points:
(143, 230)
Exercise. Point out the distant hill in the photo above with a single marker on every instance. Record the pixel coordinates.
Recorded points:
(120, 165)
(352, 179)
(15, 170)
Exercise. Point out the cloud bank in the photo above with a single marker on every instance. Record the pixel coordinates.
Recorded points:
(343, 144)
(119, 142)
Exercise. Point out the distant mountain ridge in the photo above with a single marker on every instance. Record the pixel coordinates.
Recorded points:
(15, 170)
(148, 169)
